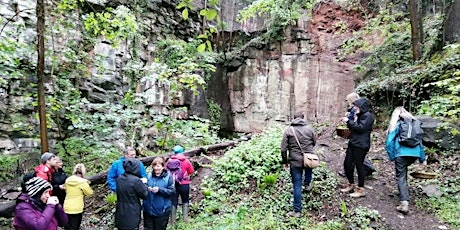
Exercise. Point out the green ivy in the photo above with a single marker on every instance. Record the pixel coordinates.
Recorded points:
(280, 14)
(179, 65)
(113, 24)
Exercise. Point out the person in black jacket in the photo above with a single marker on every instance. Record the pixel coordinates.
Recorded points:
(358, 146)
(131, 187)
(58, 181)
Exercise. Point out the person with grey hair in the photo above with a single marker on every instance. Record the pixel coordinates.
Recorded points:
(299, 138)
(117, 168)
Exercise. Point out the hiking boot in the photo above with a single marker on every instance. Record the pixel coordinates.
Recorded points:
(185, 209)
(348, 188)
(306, 188)
(294, 214)
(403, 207)
(173, 215)
(359, 192)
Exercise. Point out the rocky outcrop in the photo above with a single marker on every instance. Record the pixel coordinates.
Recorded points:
(443, 135)
(262, 86)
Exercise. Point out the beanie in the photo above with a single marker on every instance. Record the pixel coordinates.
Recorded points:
(178, 149)
(46, 156)
(36, 186)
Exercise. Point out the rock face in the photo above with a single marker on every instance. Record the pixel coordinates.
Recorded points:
(301, 73)
(262, 86)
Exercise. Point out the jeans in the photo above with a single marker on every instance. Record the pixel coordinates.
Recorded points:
(184, 192)
(401, 164)
(355, 157)
(296, 176)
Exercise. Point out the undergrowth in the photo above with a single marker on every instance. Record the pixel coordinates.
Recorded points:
(446, 206)
(250, 189)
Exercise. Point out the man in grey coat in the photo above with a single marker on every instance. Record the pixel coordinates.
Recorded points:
(307, 140)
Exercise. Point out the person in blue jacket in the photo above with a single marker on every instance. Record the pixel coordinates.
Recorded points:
(157, 206)
(117, 168)
(403, 156)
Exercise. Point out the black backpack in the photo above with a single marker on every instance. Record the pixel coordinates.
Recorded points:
(410, 132)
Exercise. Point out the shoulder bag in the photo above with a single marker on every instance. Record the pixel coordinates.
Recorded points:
(310, 160)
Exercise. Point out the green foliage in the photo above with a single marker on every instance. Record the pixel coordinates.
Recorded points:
(391, 77)
(215, 112)
(180, 66)
(111, 198)
(280, 13)
(86, 150)
(248, 180)
(252, 160)
(361, 218)
(212, 23)
(188, 133)
(186, 6)
(444, 207)
(16, 55)
(68, 4)
(113, 24)
(7, 169)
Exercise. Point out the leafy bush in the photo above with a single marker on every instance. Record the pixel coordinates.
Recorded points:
(252, 160)
(251, 173)
(7, 169)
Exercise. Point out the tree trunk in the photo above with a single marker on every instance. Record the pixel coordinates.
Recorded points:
(452, 25)
(416, 29)
(41, 74)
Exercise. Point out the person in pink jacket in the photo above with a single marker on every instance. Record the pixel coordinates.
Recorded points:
(182, 187)
(37, 209)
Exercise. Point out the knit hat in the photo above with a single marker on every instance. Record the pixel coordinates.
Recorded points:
(46, 156)
(178, 149)
(36, 186)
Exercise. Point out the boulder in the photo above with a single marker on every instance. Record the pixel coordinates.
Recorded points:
(441, 134)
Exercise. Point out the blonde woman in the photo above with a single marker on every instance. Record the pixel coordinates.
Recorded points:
(403, 156)
(77, 187)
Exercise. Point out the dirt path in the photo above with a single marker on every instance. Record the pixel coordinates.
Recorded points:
(382, 193)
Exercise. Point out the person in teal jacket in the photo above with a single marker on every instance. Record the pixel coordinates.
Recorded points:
(117, 168)
(157, 206)
(403, 156)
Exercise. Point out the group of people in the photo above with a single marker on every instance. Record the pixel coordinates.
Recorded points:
(300, 138)
(49, 198)
(158, 190)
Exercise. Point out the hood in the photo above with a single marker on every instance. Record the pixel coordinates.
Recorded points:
(298, 122)
(363, 105)
(162, 175)
(23, 197)
(132, 166)
(75, 180)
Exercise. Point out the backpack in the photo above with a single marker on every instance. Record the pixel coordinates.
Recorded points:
(410, 132)
(174, 168)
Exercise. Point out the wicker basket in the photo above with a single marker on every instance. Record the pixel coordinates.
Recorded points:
(343, 132)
